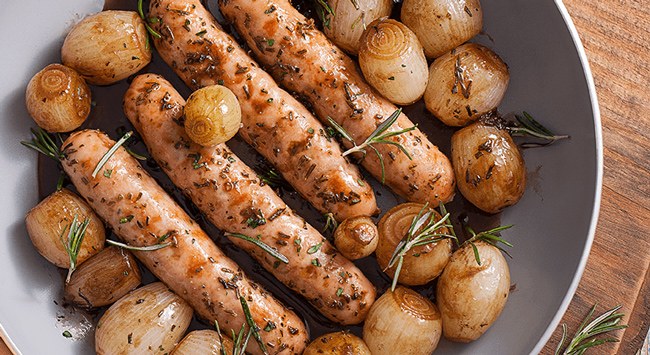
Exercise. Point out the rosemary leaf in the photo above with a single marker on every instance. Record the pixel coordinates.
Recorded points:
(145, 248)
(146, 24)
(330, 222)
(267, 248)
(76, 232)
(251, 324)
(491, 237)
(43, 143)
(110, 153)
(526, 125)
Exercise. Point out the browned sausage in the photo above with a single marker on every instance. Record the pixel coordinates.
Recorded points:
(274, 123)
(139, 211)
(304, 61)
(232, 197)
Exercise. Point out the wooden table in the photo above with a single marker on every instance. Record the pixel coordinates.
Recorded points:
(616, 36)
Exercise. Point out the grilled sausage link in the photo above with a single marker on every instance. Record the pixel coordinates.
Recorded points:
(274, 123)
(304, 61)
(140, 212)
(232, 197)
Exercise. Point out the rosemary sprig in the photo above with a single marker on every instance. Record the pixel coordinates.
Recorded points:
(378, 136)
(330, 222)
(43, 143)
(153, 247)
(146, 23)
(526, 125)
(324, 10)
(251, 324)
(110, 153)
(582, 340)
(272, 178)
(267, 248)
(424, 229)
(240, 342)
(76, 232)
(491, 237)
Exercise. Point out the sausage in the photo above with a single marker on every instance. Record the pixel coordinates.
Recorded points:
(232, 197)
(274, 123)
(304, 61)
(140, 212)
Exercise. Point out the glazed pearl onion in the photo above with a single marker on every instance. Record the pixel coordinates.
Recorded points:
(212, 115)
(58, 99)
(204, 342)
(356, 237)
(442, 24)
(393, 62)
(350, 19)
(339, 343)
(466, 83)
(402, 322)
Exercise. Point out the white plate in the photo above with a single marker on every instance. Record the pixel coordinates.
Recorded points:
(555, 221)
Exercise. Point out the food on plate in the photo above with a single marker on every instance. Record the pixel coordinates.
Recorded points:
(274, 123)
(142, 214)
(356, 237)
(489, 167)
(471, 295)
(49, 223)
(442, 24)
(393, 62)
(338, 343)
(103, 279)
(304, 61)
(425, 227)
(151, 319)
(58, 99)
(465, 84)
(233, 198)
(212, 115)
(402, 322)
(206, 342)
(347, 20)
(107, 47)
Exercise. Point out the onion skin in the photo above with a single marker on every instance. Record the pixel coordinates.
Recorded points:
(472, 296)
(212, 115)
(348, 23)
(392, 61)
(458, 99)
(48, 219)
(103, 279)
(431, 258)
(107, 47)
(58, 99)
(151, 320)
(356, 237)
(402, 322)
(490, 171)
(204, 342)
(442, 25)
(338, 343)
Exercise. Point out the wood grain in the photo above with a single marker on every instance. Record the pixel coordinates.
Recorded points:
(616, 37)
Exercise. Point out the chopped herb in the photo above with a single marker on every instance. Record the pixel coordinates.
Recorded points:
(220, 82)
(270, 100)
(110, 153)
(330, 222)
(324, 11)
(201, 33)
(270, 42)
(391, 78)
(108, 172)
(314, 248)
(339, 292)
(315, 262)
(256, 220)
(67, 334)
(323, 70)
(269, 326)
(231, 159)
(270, 9)
(310, 130)
(196, 162)
(267, 248)
(126, 219)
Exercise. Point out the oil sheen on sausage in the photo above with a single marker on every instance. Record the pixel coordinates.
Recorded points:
(140, 212)
(304, 61)
(233, 198)
(274, 123)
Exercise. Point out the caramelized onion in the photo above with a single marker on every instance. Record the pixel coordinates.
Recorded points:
(402, 322)
(212, 115)
(356, 237)
(442, 24)
(351, 18)
(422, 263)
(151, 319)
(107, 47)
(339, 343)
(203, 342)
(466, 83)
(103, 279)
(49, 219)
(58, 99)
(490, 171)
(393, 62)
